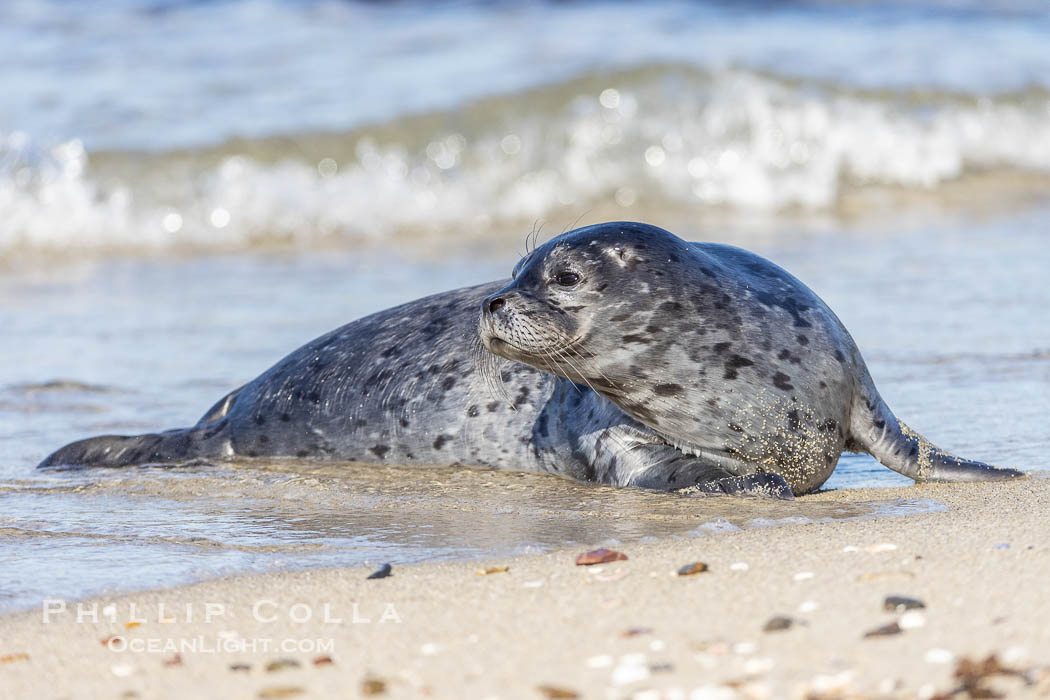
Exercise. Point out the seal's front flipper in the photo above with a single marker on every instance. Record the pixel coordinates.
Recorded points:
(631, 456)
(771, 485)
(875, 430)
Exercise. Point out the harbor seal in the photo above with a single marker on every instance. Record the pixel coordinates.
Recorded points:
(625, 356)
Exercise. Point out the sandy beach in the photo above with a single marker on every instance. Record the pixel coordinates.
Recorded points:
(547, 627)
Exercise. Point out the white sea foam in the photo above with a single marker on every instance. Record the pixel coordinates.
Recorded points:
(663, 136)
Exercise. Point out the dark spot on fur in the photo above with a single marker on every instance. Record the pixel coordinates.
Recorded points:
(829, 425)
(302, 453)
(379, 450)
(473, 411)
(264, 439)
(783, 354)
(794, 421)
(653, 329)
(523, 396)
(707, 271)
(285, 417)
(713, 402)
(823, 385)
(314, 397)
(880, 424)
(440, 441)
(839, 356)
(448, 383)
(735, 428)
(782, 381)
(405, 423)
(789, 304)
(721, 347)
(260, 419)
(734, 363)
(492, 406)
(574, 309)
(620, 317)
(667, 389)
(634, 338)
(802, 340)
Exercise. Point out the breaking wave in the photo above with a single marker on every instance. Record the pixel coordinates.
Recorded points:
(664, 137)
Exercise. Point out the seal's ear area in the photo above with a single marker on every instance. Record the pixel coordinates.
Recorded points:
(625, 255)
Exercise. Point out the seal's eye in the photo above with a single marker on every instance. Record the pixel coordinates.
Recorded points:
(567, 279)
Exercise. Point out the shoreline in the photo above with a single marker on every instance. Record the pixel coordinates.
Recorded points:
(622, 629)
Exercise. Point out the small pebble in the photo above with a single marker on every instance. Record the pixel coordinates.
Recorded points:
(739, 566)
(382, 572)
(599, 556)
(661, 668)
(760, 664)
(913, 619)
(281, 664)
(175, 660)
(603, 661)
(629, 673)
(372, 686)
(778, 624)
(493, 570)
(280, 691)
(808, 606)
(884, 631)
(241, 667)
(939, 656)
(323, 661)
(804, 575)
(697, 567)
(1015, 656)
(883, 547)
(635, 631)
(899, 603)
(554, 692)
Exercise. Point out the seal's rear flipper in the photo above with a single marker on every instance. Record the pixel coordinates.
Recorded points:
(151, 448)
(875, 430)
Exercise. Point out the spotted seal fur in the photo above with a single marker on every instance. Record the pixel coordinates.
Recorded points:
(630, 357)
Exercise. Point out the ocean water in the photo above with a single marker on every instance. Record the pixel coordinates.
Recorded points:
(190, 190)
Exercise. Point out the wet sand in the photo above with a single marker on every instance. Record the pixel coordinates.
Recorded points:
(624, 629)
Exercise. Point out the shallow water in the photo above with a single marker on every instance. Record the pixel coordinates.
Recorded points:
(174, 222)
(951, 321)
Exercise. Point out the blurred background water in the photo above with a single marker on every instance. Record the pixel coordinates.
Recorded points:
(190, 190)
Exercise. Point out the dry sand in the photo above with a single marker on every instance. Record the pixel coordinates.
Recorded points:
(624, 629)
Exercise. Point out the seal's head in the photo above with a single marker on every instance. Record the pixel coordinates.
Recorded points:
(560, 311)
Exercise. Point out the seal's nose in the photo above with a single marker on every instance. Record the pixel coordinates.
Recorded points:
(495, 304)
